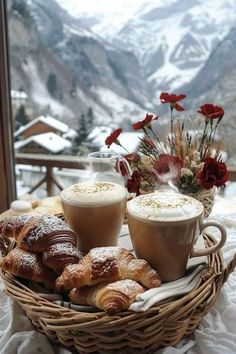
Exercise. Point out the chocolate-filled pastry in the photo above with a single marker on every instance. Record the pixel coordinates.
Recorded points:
(35, 233)
(112, 298)
(11, 226)
(107, 264)
(29, 266)
(60, 255)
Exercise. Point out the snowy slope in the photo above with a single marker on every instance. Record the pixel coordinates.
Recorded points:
(171, 38)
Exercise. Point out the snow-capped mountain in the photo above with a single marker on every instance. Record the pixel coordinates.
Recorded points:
(65, 69)
(172, 39)
(115, 64)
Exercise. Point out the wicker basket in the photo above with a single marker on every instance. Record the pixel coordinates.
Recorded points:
(127, 332)
(207, 198)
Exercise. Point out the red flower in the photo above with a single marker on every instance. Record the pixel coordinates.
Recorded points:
(113, 137)
(145, 122)
(211, 112)
(121, 166)
(172, 99)
(149, 142)
(214, 173)
(168, 168)
(133, 184)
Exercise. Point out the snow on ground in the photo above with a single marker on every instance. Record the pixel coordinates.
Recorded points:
(40, 94)
(122, 108)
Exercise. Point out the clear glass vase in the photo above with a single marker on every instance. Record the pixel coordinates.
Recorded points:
(109, 167)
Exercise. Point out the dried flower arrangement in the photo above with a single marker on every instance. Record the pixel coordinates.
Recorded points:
(191, 161)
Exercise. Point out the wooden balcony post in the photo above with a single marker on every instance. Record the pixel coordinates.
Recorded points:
(49, 181)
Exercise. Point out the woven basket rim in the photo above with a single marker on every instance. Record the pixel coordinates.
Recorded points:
(9, 278)
(204, 192)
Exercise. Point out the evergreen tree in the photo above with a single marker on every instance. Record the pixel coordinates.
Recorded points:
(21, 117)
(52, 84)
(80, 145)
(73, 88)
(90, 117)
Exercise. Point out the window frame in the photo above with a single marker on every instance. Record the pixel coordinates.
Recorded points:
(7, 170)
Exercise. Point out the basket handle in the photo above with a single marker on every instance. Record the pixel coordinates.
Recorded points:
(223, 276)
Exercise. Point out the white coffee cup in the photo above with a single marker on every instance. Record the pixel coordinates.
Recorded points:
(164, 227)
(95, 212)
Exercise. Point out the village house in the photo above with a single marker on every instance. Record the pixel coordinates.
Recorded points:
(46, 143)
(44, 124)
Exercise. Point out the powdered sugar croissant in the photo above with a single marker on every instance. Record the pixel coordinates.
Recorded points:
(41, 232)
(112, 298)
(11, 226)
(107, 264)
(46, 234)
(29, 266)
(59, 255)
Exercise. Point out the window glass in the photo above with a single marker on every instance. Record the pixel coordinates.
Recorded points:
(80, 69)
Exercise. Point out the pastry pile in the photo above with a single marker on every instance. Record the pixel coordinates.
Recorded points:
(44, 246)
(109, 278)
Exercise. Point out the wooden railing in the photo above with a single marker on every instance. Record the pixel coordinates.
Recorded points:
(65, 161)
(49, 162)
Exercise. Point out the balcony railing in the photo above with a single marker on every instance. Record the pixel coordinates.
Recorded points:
(50, 162)
(65, 161)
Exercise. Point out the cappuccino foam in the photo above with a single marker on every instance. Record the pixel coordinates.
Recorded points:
(94, 194)
(165, 206)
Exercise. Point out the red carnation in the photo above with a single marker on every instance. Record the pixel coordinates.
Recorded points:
(113, 137)
(211, 112)
(133, 184)
(168, 168)
(121, 167)
(172, 99)
(214, 173)
(149, 142)
(145, 122)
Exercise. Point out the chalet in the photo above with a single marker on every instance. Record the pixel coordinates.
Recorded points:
(18, 98)
(46, 143)
(44, 124)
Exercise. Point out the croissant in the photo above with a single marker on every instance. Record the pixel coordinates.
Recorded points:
(107, 264)
(59, 255)
(36, 233)
(29, 266)
(112, 298)
(12, 226)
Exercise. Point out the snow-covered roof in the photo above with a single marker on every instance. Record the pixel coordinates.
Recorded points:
(49, 141)
(21, 95)
(52, 122)
(97, 131)
(70, 134)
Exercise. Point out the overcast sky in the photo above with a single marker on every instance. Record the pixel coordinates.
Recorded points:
(106, 7)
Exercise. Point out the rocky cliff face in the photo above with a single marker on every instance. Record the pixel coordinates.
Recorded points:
(178, 45)
(66, 69)
(172, 39)
(215, 82)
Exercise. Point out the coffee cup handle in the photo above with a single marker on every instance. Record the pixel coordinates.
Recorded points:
(215, 248)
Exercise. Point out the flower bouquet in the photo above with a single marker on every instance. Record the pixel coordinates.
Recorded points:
(189, 161)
